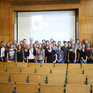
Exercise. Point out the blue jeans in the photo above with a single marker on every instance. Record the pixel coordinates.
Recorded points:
(63, 61)
(39, 61)
(83, 62)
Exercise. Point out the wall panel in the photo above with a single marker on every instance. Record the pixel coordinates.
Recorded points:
(7, 16)
(1, 9)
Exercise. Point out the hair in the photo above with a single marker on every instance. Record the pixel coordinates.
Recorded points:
(20, 49)
(41, 47)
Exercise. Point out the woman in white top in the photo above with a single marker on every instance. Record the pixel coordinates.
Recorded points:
(40, 54)
(2, 53)
(31, 54)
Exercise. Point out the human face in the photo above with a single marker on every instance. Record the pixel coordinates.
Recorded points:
(49, 46)
(19, 47)
(73, 46)
(54, 43)
(59, 43)
(83, 46)
(59, 48)
(31, 45)
(12, 46)
(39, 45)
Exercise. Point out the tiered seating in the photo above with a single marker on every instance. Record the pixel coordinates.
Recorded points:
(52, 88)
(26, 88)
(73, 71)
(50, 78)
(6, 87)
(37, 78)
(76, 79)
(4, 77)
(77, 88)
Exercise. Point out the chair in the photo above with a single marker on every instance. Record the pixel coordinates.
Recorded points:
(56, 78)
(43, 70)
(26, 88)
(59, 65)
(27, 69)
(4, 77)
(90, 79)
(74, 65)
(37, 78)
(59, 70)
(2, 69)
(2, 64)
(13, 69)
(51, 88)
(87, 66)
(76, 79)
(13, 64)
(88, 71)
(77, 88)
(75, 71)
(18, 77)
(34, 65)
(6, 87)
(47, 65)
(21, 64)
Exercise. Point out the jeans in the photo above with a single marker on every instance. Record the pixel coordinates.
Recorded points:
(63, 61)
(39, 61)
(83, 62)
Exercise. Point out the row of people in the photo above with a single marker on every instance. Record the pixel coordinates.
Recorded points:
(46, 52)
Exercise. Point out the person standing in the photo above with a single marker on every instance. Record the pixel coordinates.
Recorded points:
(65, 49)
(19, 54)
(72, 54)
(31, 54)
(11, 54)
(51, 56)
(83, 55)
(60, 55)
(40, 54)
(88, 50)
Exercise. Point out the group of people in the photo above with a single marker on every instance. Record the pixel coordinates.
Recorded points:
(46, 52)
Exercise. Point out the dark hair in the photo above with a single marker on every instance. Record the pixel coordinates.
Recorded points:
(59, 41)
(64, 41)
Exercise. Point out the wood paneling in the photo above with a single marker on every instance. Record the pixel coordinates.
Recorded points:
(6, 9)
(88, 37)
(1, 26)
(87, 25)
(87, 7)
(1, 38)
(6, 26)
(1, 9)
(6, 38)
(7, 15)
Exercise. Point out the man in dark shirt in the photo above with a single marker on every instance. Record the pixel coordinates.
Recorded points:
(65, 49)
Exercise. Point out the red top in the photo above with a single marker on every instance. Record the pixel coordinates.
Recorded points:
(88, 52)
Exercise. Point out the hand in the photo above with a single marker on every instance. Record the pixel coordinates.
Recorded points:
(74, 60)
(68, 60)
(42, 61)
(84, 60)
(58, 60)
(54, 62)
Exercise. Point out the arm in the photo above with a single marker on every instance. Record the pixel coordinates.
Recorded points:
(55, 58)
(7, 57)
(43, 55)
(68, 56)
(75, 55)
(46, 59)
